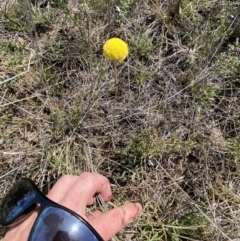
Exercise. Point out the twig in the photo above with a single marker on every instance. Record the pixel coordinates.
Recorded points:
(14, 102)
(9, 172)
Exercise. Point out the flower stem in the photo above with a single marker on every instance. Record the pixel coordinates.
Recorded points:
(116, 79)
(116, 91)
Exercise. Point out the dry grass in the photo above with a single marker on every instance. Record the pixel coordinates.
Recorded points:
(173, 143)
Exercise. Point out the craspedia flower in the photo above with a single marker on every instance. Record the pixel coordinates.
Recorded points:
(115, 49)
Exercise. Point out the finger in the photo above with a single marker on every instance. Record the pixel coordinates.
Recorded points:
(93, 215)
(62, 187)
(82, 192)
(111, 222)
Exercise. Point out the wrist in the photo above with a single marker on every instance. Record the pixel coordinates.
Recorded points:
(22, 230)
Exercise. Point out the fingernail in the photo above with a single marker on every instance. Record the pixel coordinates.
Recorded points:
(138, 206)
(139, 209)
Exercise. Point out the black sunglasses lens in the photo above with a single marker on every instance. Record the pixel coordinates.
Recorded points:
(56, 224)
(17, 203)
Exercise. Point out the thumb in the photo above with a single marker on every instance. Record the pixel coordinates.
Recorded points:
(111, 222)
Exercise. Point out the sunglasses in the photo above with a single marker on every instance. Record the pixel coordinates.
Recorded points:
(53, 223)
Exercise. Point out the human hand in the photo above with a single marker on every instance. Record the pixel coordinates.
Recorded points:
(75, 193)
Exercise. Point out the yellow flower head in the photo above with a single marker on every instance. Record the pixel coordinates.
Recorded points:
(115, 49)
